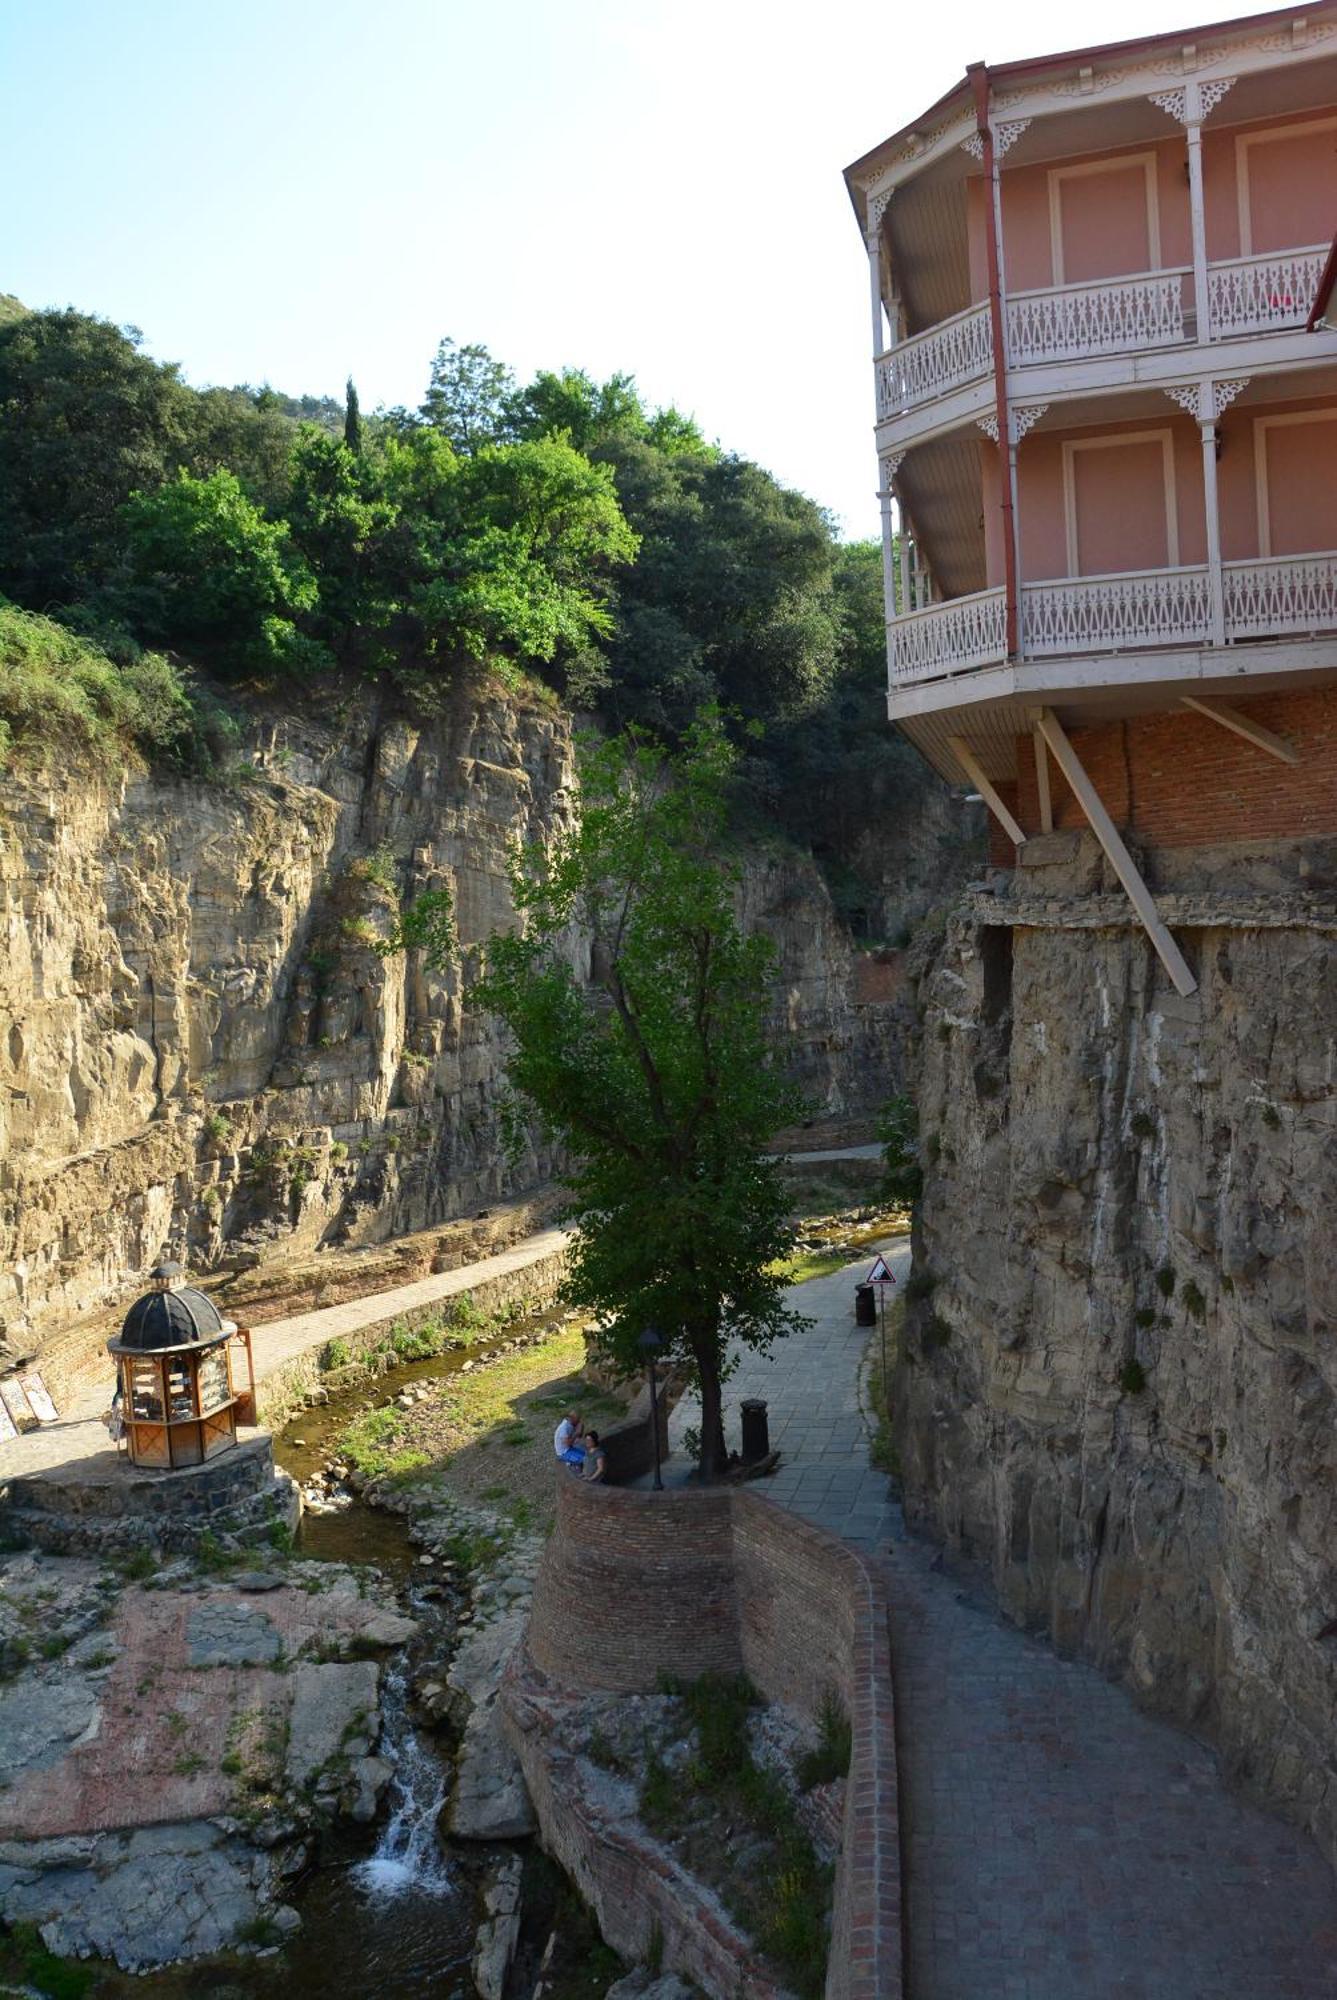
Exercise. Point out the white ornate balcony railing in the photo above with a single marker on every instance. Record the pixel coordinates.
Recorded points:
(1115, 316)
(1280, 596)
(1105, 614)
(1264, 294)
(949, 638)
(956, 351)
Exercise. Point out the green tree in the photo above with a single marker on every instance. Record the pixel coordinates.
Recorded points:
(352, 419)
(207, 566)
(512, 547)
(657, 1075)
(346, 526)
(85, 421)
(468, 396)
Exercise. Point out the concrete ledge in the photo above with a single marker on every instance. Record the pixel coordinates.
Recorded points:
(715, 1580)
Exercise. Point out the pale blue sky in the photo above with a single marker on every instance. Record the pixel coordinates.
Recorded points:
(287, 190)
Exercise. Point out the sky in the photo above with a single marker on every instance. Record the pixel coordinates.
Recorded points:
(292, 191)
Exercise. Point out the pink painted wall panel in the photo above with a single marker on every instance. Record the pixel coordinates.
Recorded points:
(1119, 501)
(1105, 230)
(1301, 489)
(1104, 225)
(1292, 188)
(1120, 508)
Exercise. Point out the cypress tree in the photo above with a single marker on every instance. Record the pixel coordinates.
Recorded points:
(352, 420)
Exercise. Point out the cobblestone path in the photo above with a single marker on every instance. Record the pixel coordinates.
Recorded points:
(1059, 1844)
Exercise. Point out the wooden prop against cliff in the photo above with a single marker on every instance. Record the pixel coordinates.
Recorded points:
(1105, 831)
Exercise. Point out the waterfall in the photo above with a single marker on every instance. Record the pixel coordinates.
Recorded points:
(407, 1855)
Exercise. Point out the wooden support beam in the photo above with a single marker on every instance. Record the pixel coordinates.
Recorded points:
(1042, 784)
(970, 764)
(1252, 732)
(1121, 860)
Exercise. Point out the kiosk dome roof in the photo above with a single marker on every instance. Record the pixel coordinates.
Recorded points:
(171, 1315)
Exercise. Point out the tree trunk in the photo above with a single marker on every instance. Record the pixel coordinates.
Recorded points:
(714, 1457)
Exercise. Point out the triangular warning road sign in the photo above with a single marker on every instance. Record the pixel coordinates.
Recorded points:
(880, 1275)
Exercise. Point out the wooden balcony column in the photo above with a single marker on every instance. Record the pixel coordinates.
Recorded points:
(1190, 105)
(1205, 400)
(885, 333)
(886, 493)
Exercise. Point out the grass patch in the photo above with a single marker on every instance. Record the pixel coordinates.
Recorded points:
(26, 1963)
(808, 1264)
(782, 1902)
(374, 1444)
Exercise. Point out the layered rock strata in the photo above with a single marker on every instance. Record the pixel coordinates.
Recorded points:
(205, 1054)
(1118, 1382)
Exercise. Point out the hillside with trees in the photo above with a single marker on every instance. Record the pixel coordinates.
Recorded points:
(557, 531)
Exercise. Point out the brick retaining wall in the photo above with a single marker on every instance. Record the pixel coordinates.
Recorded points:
(634, 1584)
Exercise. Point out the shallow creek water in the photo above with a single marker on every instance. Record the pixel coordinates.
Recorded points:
(387, 1909)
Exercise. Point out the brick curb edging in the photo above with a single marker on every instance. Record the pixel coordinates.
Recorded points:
(633, 1584)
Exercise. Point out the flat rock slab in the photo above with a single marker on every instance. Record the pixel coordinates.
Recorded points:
(333, 1709)
(226, 1634)
(190, 1681)
(141, 1899)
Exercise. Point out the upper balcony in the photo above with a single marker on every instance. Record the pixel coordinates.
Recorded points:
(1128, 231)
(1271, 292)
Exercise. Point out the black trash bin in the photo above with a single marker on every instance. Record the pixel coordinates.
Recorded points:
(865, 1305)
(756, 1430)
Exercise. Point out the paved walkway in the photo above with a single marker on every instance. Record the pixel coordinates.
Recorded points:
(80, 1433)
(1059, 1844)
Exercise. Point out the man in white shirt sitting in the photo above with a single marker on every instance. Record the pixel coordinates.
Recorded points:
(566, 1441)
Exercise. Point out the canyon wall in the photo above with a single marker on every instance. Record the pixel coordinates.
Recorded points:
(202, 1053)
(1118, 1380)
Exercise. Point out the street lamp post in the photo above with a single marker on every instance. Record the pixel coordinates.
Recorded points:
(650, 1343)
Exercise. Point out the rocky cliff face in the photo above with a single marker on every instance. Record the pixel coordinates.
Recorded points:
(1119, 1376)
(203, 1054)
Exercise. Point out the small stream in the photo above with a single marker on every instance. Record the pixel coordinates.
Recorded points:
(386, 1909)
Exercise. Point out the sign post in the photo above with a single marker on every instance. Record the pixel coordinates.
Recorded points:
(881, 1276)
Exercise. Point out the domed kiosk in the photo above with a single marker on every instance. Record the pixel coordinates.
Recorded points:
(184, 1375)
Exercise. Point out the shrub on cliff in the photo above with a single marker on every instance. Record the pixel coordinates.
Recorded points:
(59, 692)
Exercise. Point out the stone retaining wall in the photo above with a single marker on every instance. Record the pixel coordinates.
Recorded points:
(635, 1584)
(103, 1506)
(286, 1388)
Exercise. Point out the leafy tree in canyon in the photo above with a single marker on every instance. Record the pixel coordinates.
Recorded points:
(656, 1074)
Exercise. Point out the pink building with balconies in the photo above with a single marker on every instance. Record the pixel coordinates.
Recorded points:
(1106, 387)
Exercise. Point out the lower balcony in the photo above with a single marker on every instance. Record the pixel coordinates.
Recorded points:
(1280, 597)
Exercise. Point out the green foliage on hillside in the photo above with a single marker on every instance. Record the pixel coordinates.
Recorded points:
(59, 693)
(559, 528)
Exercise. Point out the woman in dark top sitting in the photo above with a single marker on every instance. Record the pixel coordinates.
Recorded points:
(595, 1463)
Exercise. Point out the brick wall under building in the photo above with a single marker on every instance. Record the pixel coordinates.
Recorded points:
(1177, 779)
(636, 1584)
